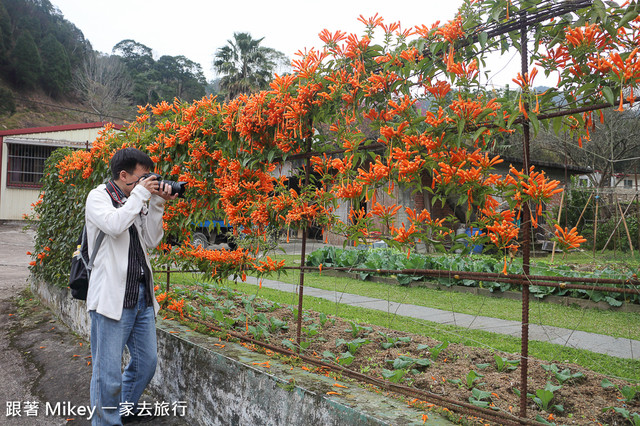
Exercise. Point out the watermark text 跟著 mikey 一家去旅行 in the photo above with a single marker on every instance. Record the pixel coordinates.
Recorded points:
(67, 409)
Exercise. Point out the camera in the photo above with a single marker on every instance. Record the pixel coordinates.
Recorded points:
(176, 187)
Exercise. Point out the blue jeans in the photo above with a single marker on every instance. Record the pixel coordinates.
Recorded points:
(109, 385)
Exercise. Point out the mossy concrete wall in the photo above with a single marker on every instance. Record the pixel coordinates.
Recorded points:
(224, 383)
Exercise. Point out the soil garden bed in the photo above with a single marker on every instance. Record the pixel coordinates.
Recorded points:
(560, 393)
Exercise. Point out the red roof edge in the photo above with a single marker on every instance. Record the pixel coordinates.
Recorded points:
(63, 128)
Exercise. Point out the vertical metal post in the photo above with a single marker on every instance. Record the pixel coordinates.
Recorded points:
(168, 284)
(637, 203)
(302, 256)
(595, 224)
(526, 222)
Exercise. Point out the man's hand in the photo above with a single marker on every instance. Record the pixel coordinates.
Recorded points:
(152, 184)
(165, 192)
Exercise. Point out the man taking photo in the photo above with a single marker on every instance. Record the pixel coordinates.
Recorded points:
(120, 299)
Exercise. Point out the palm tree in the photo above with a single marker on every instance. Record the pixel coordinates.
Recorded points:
(245, 66)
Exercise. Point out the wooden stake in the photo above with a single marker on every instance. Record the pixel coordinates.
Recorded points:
(617, 225)
(553, 249)
(626, 228)
(585, 209)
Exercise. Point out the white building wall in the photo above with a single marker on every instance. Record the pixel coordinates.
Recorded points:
(16, 202)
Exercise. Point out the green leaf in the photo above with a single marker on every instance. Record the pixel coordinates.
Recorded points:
(565, 375)
(612, 301)
(482, 38)
(629, 392)
(600, 9)
(326, 354)
(400, 363)
(472, 377)
(512, 118)
(290, 345)
(393, 376)
(608, 95)
(480, 394)
(478, 133)
(542, 420)
(557, 124)
(437, 349)
(535, 123)
(632, 14)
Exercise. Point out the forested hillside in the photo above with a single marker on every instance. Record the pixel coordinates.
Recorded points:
(50, 74)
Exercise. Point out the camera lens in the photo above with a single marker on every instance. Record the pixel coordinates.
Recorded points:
(176, 187)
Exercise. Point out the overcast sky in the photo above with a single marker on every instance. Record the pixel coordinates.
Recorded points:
(196, 28)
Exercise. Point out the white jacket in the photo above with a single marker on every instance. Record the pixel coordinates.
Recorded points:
(109, 275)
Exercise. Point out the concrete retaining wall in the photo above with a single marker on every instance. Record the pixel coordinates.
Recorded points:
(231, 385)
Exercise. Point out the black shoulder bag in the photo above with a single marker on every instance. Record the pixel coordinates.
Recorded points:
(82, 264)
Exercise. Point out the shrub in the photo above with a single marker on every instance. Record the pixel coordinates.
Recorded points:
(7, 102)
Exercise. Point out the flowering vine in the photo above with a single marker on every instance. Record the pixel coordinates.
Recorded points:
(366, 120)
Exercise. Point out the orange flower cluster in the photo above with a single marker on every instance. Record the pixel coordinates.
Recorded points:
(568, 239)
(377, 173)
(527, 80)
(439, 89)
(353, 107)
(452, 30)
(79, 160)
(467, 71)
(590, 35)
(591, 49)
(471, 110)
(268, 265)
(404, 235)
(504, 232)
(385, 212)
(177, 305)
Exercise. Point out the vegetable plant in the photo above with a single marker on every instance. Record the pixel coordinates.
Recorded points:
(393, 341)
(311, 330)
(352, 345)
(344, 358)
(469, 381)
(435, 351)
(223, 320)
(276, 325)
(394, 376)
(628, 392)
(504, 364)
(356, 329)
(564, 375)
(633, 418)
(481, 398)
(406, 362)
(543, 398)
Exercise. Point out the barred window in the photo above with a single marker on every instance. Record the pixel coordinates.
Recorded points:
(25, 165)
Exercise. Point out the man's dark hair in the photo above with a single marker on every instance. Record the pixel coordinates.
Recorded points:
(127, 159)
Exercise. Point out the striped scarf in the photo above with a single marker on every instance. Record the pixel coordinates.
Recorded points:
(137, 269)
